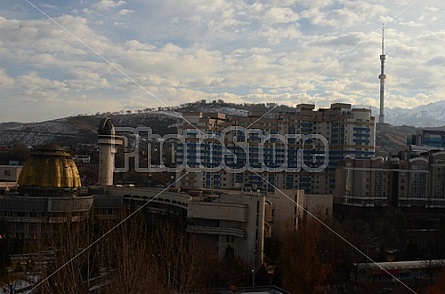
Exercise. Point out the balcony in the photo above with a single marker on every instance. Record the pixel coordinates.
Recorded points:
(365, 201)
(216, 231)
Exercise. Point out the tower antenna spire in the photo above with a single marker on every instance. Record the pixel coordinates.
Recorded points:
(382, 78)
(383, 39)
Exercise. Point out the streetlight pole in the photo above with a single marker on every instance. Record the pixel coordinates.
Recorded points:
(367, 256)
(253, 278)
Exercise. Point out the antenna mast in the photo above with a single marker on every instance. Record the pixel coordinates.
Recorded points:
(382, 78)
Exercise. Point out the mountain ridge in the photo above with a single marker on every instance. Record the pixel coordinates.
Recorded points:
(427, 115)
(83, 128)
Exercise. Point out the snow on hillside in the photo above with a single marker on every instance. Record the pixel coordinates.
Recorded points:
(82, 129)
(55, 127)
(430, 115)
(32, 134)
(227, 110)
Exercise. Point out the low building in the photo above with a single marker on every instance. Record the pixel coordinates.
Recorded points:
(221, 221)
(230, 222)
(82, 158)
(9, 175)
(384, 272)
(287, 206)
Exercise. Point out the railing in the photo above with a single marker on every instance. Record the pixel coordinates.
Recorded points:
(365, 201)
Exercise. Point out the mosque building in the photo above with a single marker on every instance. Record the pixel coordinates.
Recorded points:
(48, 195)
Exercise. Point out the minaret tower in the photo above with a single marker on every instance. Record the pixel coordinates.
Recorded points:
(107, 141)
(382, 78)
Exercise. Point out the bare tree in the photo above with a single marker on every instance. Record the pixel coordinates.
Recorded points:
(303, 269)
(129, 260)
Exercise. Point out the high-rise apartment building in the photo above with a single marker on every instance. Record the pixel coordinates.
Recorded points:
(430, 138)
(405, 183)
(364, 182)
(292, 150)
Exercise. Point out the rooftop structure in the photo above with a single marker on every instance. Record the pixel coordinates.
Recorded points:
(49, 171)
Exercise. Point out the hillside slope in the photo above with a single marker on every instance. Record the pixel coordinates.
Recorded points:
(83, 129)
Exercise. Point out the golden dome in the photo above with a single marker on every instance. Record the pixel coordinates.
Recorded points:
(49, 166)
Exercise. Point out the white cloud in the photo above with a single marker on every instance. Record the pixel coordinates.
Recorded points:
(188, 50)
(279, 15)
(432, 9)
(125, 12)
(108, 4)
(34, 88)
(81, 80)
(411, 24)
(275, 36)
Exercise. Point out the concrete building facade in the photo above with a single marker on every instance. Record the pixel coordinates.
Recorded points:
(399, 182)
(231, 223)
(430, 138)
(9, 176)
(297, 150)
(288, 206)
(10, 173)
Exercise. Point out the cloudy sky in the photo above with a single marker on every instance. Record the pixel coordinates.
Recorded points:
(60, 58)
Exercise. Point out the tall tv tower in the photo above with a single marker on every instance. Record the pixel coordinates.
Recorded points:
(382, 78)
